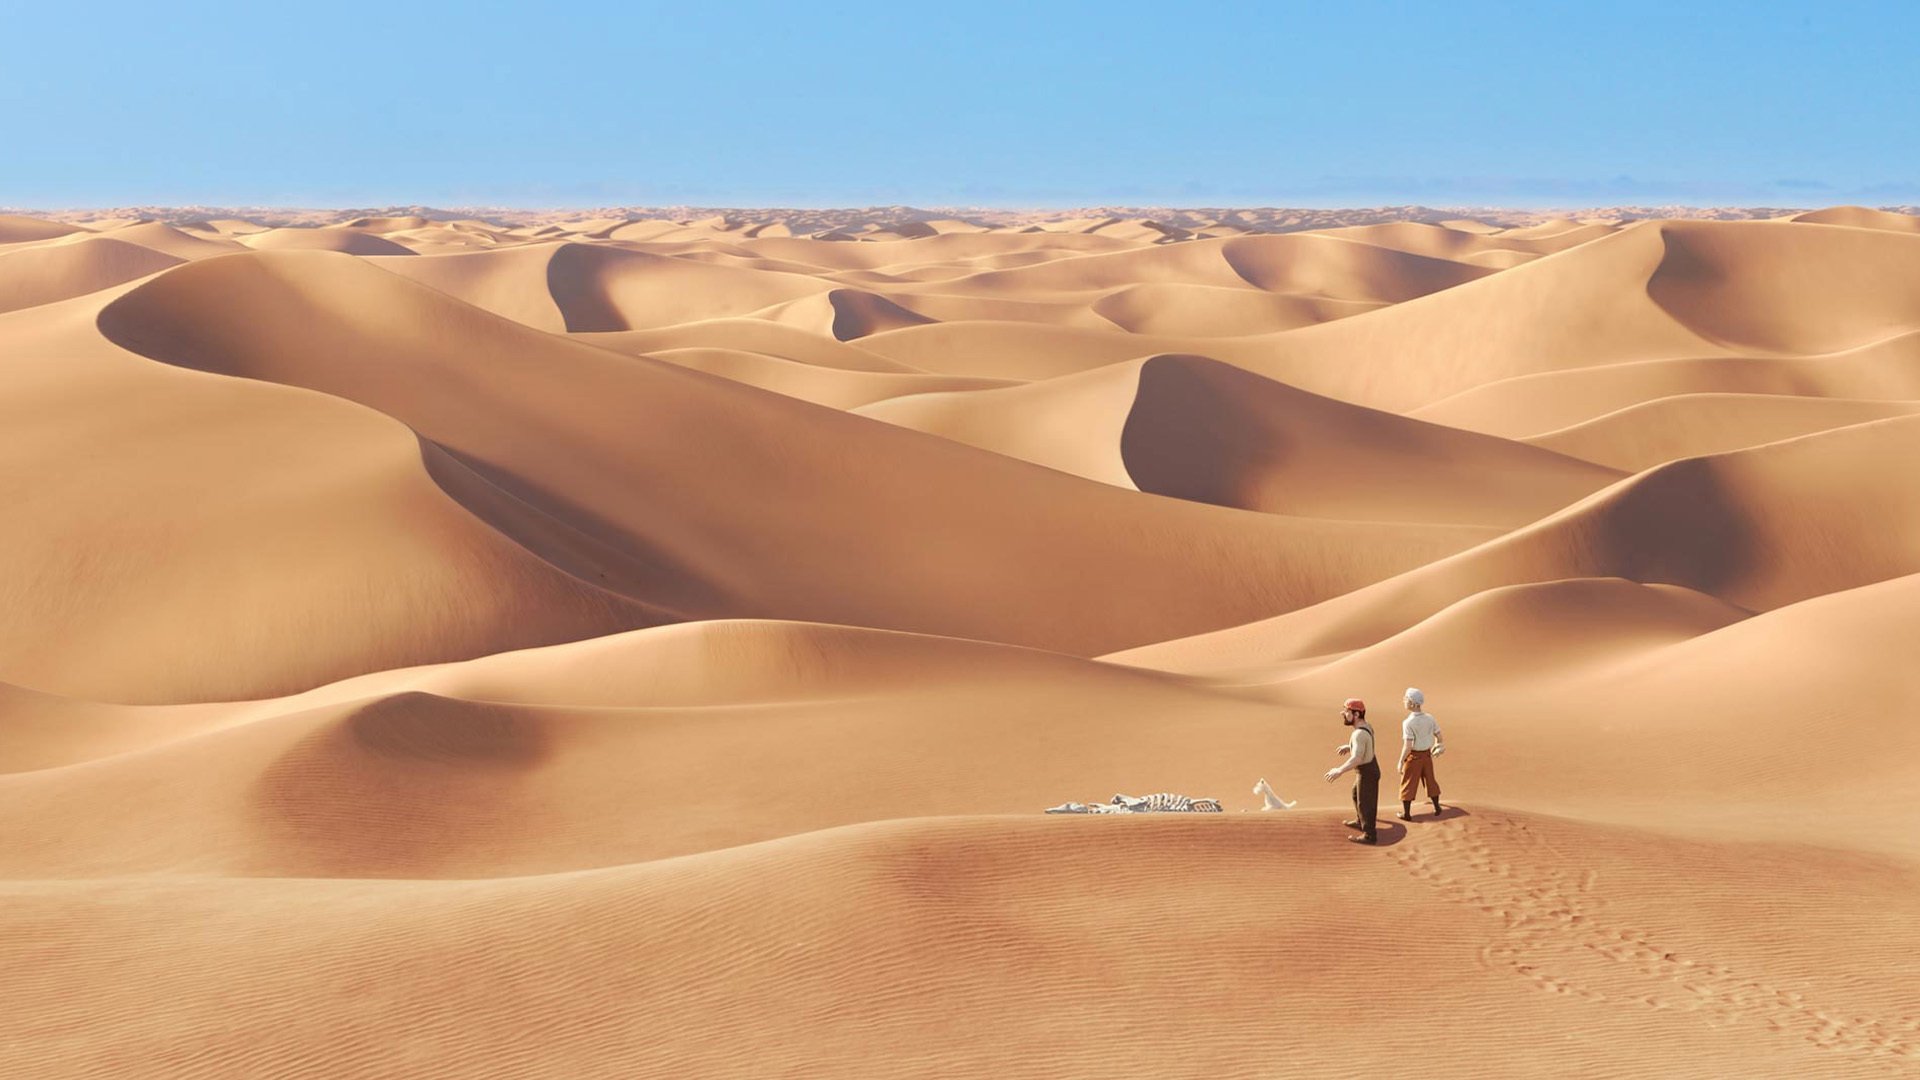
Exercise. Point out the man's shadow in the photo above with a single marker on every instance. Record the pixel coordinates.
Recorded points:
(1391, 830)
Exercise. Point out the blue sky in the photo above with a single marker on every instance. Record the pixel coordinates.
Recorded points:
(1331, 103)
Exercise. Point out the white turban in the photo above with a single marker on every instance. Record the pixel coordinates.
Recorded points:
(1415, 698)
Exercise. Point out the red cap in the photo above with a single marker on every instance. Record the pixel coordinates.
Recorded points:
(1356, 705)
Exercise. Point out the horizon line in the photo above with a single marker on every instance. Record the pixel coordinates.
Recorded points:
(1035, 208)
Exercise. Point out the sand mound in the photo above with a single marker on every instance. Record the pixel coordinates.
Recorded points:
(1197, 429)
(15, 229)
(1171, 309)
(231, 226)
(1072, 423)
(42, 275)
(1758, 529)
(1652, 291)
(750, 335)
(1012, 350)
(171, 241)
(343, 240)
(1206, 431)
(945, 257)
(511, 283)
(46, 731)
(1479, 246)
(412, 782)
(1557, 916)
(201, 606)
(1577, 308)
(1505, 639)
(1498, 259)
(603, 289)
(1795, 675)
(1860, 217)
(833, 387)
(388, 224)
(852, 314)
(1779, 288)
(1533, 405)
(1806, 668)
(1323, 266)
(1693, 425)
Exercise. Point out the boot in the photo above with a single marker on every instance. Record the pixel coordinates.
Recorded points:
(1406, 810)
(1436, 806)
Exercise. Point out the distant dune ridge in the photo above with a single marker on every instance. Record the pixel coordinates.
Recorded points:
(640, 642)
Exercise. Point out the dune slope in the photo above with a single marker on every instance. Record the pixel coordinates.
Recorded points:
(566, 455)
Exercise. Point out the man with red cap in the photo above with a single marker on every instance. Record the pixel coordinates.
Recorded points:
(1360, 760)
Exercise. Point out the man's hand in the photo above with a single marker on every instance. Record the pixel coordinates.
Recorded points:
(1343, 748)
(1402, 767)
(1332, 775)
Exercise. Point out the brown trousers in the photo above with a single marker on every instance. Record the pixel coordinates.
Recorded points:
(1419, 767)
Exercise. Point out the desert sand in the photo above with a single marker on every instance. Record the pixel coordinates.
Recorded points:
(643, 645)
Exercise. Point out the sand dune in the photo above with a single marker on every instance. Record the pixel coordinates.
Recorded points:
(1533, 405)
(1463, 245)
(949, 255)
(42, 275)
(1198, 429)
(512, 283)
(1515, 636)
(1555, 917)
(550, 445)
(15, 229)
(846, 314)
(1577, 308)
(168, 240)
(349, 241)
(156, 573)
(1791, 289)
(388, 224)
(1169, 309)
(1653, 291)
(1073, 423)
(1657, 704)
(1801, 667)
(1861, 217)
(1301, 264)
(836, 387)
(750, 335)
(1013, 350)
(227, 226)
(577, 287)
(601, 289)
(1693, 425)
(1759, 529)
(659, 633)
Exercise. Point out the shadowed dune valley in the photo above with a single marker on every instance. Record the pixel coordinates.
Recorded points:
(469, 644)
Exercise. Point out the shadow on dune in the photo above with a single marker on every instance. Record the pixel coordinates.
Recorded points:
(523, 515)
(1393, 831)
(411, 784)
(1207, 431)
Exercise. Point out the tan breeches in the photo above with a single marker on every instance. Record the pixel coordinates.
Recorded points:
(1419, 767)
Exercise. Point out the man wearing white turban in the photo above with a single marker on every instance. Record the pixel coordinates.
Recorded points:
(1419, 737)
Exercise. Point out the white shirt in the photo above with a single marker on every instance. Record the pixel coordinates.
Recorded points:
(1418, 730)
